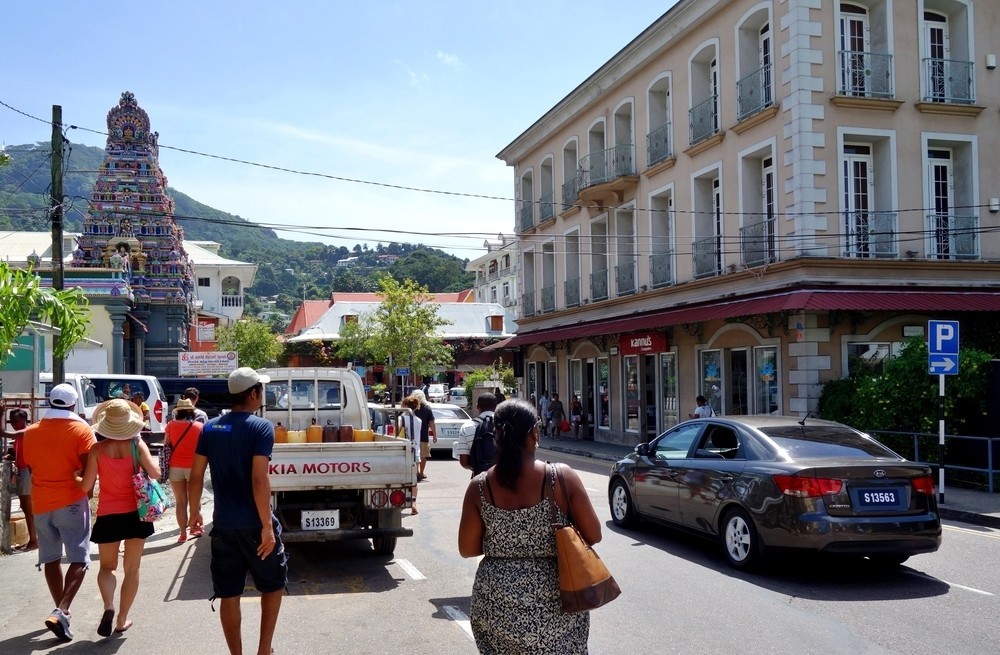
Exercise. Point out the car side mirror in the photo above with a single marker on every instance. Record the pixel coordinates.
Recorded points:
(642, 450)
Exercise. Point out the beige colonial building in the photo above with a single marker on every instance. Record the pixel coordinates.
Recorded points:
(496, 275)
(751, 198)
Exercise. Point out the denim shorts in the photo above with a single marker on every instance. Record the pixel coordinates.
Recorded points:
(234, 554)
(64, 528)
(23, 485)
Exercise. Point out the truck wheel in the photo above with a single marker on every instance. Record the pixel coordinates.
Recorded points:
(384, 545)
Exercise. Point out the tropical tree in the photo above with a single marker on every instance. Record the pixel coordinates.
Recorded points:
(23, 298)
(252, 340)
(400, 332)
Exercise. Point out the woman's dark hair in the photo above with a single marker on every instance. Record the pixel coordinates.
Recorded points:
(512, 423)
(184, 414)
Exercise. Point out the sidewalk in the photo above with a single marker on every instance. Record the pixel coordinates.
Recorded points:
(964, 505)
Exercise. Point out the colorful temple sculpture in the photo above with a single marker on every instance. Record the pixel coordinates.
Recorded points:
(130, 228)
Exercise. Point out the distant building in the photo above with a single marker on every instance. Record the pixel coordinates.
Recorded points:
(347, 262)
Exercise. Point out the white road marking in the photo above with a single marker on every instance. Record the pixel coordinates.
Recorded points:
(410, 569)
(950, 584)
(460, 619)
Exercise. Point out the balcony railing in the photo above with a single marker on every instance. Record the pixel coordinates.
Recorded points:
(606, 165)
(871, 234)
(753, 93)
(947, 80)
(658, 145)
(954, 237)
(865, 74)
(545, 207)
(549, 298)
(599, 285)
(528, 303)
(705, 257)
(625, 278)
(570, 191)
(661, 269)
(526, 215)
(232, 300)
(757, 241)
(704, 119)
(572, 290)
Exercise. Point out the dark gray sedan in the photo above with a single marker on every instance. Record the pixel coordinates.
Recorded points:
(767, 482)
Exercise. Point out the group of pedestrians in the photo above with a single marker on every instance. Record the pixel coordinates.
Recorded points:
(63, 458)
(417, 424)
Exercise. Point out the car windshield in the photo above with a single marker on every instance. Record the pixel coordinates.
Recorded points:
(826, 441)
(436, 388)
(450, 414)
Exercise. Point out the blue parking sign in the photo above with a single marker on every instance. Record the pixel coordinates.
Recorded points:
(942, 347)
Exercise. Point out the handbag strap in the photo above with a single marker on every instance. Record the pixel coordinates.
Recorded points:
(553, 507)
(183, 434)
(135, 458)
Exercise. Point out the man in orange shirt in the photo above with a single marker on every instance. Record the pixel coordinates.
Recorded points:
(56, 450)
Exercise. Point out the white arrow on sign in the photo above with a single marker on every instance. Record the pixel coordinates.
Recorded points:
(946, 363)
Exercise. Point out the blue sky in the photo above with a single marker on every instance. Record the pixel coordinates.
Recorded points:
(412, 94)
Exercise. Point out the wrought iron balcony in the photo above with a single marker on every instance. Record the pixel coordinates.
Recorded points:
(954, 237)
(572, 290)
(704, 119)
(607, 165)
(705, 257)
(661, 269)
(571, 191)
(549, 298)
(871, 234)
(757, 241)
(865, 74)
(625, 278)
(947, 80)
(753, 93)
(526, 215)
(658, 146)
(545, 207)
(599, 285)
(528, 304)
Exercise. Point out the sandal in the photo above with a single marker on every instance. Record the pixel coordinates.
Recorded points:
(196, 532)
(104, 629)
(128, 624)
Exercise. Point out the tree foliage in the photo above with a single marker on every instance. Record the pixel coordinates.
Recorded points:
(400, 332)
(253, 340)
(498, 371)
(23, 298)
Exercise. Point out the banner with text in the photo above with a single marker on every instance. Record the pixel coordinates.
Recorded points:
(207, 363)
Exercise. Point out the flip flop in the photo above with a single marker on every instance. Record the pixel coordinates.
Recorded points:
(128, 624)
(104, 629)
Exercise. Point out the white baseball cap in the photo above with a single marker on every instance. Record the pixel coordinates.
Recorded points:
(63, 396)
(244, 378)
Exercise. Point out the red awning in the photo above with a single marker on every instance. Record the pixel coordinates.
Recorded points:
(856, 300)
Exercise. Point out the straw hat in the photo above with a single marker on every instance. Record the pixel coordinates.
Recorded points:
(183, 404)
(118, 419)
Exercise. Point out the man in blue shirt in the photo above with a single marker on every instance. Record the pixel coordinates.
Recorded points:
(245, 534)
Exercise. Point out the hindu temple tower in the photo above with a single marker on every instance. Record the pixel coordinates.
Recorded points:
(130, 227)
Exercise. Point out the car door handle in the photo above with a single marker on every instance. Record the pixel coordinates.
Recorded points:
(726, 479)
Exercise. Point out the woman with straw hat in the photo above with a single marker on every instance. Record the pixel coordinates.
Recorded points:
(182, 434)
(115, 460)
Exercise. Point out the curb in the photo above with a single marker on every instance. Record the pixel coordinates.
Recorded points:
(952, 514)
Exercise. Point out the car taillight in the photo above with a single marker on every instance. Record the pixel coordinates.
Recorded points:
(158, 411)
(923, 485)
(397, 498)
(379, 499)
(802, 487)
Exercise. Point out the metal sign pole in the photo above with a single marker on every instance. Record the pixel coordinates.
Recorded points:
(941, 438)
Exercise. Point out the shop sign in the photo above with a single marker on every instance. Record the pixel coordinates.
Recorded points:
(642, 342)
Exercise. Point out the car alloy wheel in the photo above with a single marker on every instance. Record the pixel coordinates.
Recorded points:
(622, 509)
(739, 538)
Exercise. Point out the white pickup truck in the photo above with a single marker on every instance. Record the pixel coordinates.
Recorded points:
(334, 490)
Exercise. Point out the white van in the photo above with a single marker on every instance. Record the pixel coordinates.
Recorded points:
(95, 388)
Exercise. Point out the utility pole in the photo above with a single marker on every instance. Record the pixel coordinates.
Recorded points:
(58, 365)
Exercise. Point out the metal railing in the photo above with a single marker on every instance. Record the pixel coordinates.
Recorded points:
(528, 304)
(753, 93)
(625, 278)
(757, 241)
(570, 191)
(658, 146)
(526, 215)
(549, 298)
(865, 74)
(963, 453)
(545, 207)
(948, 80)
(954, 237)
(705, 257)
(870, 234)
(599, 285)
(572, 290)
(704, 119)
(606, 165)
(661, 269)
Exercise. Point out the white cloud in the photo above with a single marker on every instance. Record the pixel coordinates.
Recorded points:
(449, 60)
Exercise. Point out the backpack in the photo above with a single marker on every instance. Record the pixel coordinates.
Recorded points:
(482, 452)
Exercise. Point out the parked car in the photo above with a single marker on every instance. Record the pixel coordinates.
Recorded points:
(448, 419)
(437, 393)
(762, 482)
(456, 396)
(383, 417)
